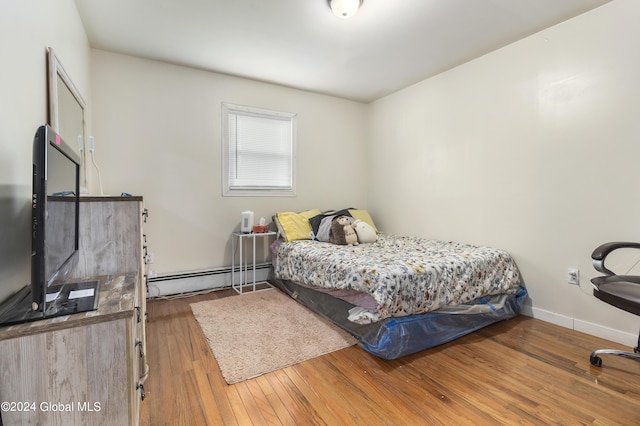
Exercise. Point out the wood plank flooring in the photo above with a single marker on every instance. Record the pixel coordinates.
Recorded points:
(521, 371)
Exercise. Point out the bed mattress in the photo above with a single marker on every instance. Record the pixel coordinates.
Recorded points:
(398, 276)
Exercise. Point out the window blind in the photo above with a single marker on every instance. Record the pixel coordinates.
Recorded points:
(260, 150)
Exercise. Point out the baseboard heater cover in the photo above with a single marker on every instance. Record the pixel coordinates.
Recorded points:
(186, 282)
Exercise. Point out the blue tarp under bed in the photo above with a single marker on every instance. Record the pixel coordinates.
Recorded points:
(396, 337)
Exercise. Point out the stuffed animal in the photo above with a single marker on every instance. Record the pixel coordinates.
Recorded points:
(365, 232)
(343, 232)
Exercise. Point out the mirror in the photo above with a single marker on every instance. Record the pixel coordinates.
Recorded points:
(67, 111)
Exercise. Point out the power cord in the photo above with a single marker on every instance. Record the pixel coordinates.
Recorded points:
(187, 294)
(632, 266)
(93, 160)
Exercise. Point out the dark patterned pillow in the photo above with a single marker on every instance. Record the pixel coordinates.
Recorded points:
(324, 230)
(317, 220)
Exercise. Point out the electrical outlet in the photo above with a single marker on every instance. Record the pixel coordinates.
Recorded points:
(573, 276)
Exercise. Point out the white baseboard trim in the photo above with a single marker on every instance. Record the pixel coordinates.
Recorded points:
(622, 337)
(213, 279)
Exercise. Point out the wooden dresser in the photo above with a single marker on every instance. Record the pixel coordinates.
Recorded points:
(87, 368)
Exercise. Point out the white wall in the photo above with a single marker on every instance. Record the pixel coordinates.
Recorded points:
(27, 28)
(157, 134)
(533, 148)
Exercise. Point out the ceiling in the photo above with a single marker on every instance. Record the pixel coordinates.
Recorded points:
(388, 45)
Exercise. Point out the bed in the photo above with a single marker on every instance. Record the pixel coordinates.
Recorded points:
(400, 294)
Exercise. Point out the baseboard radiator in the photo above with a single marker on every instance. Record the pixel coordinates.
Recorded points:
(211, 279)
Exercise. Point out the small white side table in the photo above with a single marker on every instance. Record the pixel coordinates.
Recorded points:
(246, 270)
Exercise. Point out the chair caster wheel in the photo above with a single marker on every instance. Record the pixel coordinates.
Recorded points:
(595, 360)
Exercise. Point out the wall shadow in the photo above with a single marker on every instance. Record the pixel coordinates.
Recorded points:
(15, 238)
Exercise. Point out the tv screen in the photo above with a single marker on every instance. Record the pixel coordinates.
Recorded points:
(56, 209)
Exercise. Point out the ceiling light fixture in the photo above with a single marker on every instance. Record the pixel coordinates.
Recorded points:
(344, 8)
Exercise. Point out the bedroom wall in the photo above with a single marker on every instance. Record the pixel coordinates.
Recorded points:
(533, 148)
(157, 134)
(27, 28)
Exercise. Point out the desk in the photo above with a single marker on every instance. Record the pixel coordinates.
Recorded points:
(245, 270)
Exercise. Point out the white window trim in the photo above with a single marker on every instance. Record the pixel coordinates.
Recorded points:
(228, 191)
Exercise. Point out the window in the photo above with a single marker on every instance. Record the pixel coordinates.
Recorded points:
(258, 152)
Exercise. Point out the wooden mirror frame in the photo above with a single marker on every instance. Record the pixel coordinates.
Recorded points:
(61, 85)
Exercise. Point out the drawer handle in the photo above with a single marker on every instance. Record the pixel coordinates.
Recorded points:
(140, 350)
(141, 387)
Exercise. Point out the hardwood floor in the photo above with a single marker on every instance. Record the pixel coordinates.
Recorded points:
(521, 371)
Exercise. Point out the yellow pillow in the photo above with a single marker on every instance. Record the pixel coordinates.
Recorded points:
(364, 216)
(308, 214)
(296, 226)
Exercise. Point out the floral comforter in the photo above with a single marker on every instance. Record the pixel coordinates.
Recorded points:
(404, 275)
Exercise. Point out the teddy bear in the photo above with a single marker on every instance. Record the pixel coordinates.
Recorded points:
(365, 232)
(343, 232)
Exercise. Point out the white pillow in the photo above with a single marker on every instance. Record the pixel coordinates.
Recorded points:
(366, 233)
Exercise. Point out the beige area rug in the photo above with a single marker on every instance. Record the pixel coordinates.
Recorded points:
(265, 331)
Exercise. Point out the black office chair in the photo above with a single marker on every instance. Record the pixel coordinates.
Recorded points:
(621, 291)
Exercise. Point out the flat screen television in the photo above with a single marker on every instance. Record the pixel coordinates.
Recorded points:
(54, 232)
